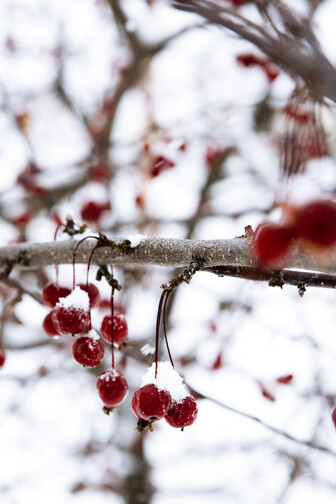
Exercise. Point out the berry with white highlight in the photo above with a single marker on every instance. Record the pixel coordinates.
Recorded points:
(120, 329)
(182, 413)
(71, 314)
(112, 387)
(88, 350)
(150, 403)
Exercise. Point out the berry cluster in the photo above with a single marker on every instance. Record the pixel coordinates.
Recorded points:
(164, 396)
(311, 225)
(71, 314)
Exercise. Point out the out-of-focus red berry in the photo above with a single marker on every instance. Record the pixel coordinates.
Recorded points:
(92, 211)
(271, 244)
(315, 222)
(159, 164)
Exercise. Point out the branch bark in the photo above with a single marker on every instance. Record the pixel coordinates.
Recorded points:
(222, 257)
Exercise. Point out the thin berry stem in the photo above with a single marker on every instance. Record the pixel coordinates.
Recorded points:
(56, 265)
(164, 320)
(74, 257)
(87, 277)
(112, 326)
(157, 336)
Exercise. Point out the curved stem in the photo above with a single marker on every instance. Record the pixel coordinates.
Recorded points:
(112, 326)
(56, 265)
(164, 320)
(74, 257)
(157, 335)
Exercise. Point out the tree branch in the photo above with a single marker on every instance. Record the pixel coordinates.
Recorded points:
(222, 257)
(289, 52)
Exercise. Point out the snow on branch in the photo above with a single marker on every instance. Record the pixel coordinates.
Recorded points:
(222, 257)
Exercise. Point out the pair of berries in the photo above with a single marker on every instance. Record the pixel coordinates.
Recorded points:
(312, 224)
(163, 397)
(150, 404)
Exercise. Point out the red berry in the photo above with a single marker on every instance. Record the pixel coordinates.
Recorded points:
(2, 358)
(70, 320)
(51, 294)
(49, 326)
(182, 413)
(316, 222)
(271, 244)
(88, 350)
(285, 380)
(101, 173)
(120, 329)
(333, 416)
(266, 393)
(93, 293)
(112, 387)
(151, 403)
(159, 164)
(92, 211)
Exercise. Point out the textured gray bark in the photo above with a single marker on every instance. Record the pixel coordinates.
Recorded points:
(150, 251)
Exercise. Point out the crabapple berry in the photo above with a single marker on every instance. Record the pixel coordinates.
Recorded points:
(316, 222)
(93, 293)
(49, 326)
(52, 292)
(120, 329)
(159, 164)
(271, 244)
(333, 416)
(2, 358)
(92, 211)
(70, 320)
(88, 350)
(150, 403)
(182, 413)
(112, 387)
(71, 314)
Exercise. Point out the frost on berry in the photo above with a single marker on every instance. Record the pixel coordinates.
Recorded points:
(150, 403)
(2, 358)
(112, 387)
(120, 329)
(271, 244)
(182, 413)
(93, 293)
(52, 293)
(71, 314)
(88, 350)
(49, 326)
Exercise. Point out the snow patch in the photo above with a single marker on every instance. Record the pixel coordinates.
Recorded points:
(147, 349)
(76, 299)
(167, 379)
(93, 335)
(136, 239)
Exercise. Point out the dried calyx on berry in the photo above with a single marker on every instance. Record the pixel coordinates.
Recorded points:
(72, 313)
